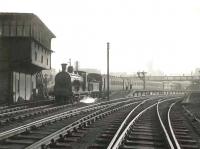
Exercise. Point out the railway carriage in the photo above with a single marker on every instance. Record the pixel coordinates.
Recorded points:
(115, 83)
(123, 83)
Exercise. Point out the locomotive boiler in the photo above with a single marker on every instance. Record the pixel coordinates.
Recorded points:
(63, 86)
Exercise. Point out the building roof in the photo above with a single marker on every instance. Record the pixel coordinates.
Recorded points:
(24, 18)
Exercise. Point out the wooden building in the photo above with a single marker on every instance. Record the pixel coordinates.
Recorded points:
(25, 49)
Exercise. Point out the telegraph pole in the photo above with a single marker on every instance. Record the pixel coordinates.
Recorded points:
(141, 75)
(108, 89)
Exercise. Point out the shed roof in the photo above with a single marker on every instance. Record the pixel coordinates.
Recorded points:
(25, 18)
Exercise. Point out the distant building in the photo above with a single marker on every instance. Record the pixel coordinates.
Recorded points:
(119, 74)
(90, 70)
(25, 50)
(197, 72)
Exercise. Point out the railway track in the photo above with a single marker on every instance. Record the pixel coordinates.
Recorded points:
(151, 130)
(15, 118)
(22, 115)
(69, 135)
(183, 134)
(27, 104)
(151, 122)
(146, 130)
(12, 109)
(20, 112)
(19, 132)
(193, 116)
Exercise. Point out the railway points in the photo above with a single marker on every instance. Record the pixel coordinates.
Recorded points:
(43, 109)
(62, 116)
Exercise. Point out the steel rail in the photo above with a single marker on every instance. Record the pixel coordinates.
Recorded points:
(170, 127)
(12, 109)
(20, 108)
(191, 114)
(163, 127)
(123, 135)
(74, 125)
(122, 125)
(3, 107)
(25, 127)
(23, 110)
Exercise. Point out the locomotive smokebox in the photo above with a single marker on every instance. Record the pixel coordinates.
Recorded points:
(64, 67)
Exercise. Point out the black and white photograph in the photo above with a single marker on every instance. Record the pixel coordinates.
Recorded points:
(99, 74)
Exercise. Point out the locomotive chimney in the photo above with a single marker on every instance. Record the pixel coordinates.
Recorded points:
(64, 67)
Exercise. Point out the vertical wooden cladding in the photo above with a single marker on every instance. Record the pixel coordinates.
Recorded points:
(4, 86)
(4, 73)
(20, 50)
(40, 56)
(39, 33)
(21, 36)
(23, 85)
(13, 28)
(4, 57)
(29, 26)
(25, 25)
(23, 51)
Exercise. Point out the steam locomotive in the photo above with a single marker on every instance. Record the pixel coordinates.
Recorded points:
(70, 86)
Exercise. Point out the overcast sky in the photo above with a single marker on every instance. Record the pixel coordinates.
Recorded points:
(163, 34)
